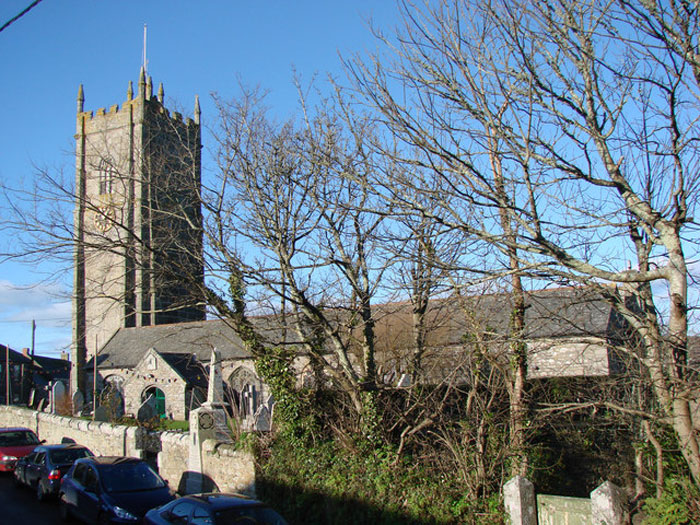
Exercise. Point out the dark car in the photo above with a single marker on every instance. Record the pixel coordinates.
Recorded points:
(111, 489)
(214, 509)
(43, 469)
(15, 443)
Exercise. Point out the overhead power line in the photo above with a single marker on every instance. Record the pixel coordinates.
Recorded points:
(14, 19)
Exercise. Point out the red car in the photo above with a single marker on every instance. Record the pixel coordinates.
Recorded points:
(15, 443)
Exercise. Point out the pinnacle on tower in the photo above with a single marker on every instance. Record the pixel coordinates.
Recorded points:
(81, 99)
(130, 91)
(142, 83)
(161, 93)
(197, 110)
(149, 87)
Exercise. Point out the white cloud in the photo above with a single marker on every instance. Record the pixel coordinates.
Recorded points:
(47, 304)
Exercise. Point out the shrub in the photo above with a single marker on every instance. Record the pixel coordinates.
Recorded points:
(679, 504)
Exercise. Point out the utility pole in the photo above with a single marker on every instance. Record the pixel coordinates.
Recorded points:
(33, 364)
(7, 374)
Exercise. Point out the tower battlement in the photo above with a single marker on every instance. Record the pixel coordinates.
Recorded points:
(144, 99)
(153, 104)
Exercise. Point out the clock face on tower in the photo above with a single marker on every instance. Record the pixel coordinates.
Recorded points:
(104, 218)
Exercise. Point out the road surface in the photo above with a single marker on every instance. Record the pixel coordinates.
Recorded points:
(19, 505)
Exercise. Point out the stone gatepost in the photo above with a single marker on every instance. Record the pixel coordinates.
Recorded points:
(609, 505)
(519, 501)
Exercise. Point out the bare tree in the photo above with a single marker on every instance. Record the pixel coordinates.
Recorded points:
(590, 111)
(290, 209)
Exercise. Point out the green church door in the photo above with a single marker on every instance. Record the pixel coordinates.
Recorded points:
(158, 398)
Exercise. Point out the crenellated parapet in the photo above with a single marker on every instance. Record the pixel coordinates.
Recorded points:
(144, 101)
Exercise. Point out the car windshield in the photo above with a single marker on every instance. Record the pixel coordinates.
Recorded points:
(129, 477)
(18, 438)
(68, 455)
(249, 516)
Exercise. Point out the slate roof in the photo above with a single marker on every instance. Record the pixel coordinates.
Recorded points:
(557, 313)
(191, 369)
(562, 312)
(128, 345)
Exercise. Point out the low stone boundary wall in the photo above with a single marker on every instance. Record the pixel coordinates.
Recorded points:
(227, 469)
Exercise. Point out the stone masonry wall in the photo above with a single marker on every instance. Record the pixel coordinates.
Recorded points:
(231, 470)
(153, 371)
(567, 358)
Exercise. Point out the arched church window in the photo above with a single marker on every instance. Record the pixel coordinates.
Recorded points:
(246, 391)
(156, 397)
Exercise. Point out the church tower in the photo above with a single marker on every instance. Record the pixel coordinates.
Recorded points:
(137, 220)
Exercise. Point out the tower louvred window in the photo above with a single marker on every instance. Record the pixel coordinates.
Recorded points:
(106, 177)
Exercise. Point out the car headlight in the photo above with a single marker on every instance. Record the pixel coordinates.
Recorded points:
(123, 513)
(9, 458)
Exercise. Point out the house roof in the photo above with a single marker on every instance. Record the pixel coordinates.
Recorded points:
(14, 357)
(51, 363)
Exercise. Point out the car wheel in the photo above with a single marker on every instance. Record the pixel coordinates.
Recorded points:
(64, 511)
(40, 494)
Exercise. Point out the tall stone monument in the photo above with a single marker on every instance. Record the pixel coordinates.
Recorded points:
(207, 422)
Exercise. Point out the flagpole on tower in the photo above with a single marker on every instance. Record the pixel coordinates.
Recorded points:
(144, 59)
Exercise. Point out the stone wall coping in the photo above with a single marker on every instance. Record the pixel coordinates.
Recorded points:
(217, 448)
(175, 437)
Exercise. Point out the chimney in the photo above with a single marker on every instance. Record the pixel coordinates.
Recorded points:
(65, 356)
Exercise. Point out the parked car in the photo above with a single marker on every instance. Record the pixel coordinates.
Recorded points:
(43, 469)
(111, 489)
(15, 443)
(214, 509)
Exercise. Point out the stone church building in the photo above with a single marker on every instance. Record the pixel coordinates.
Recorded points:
(137, 223)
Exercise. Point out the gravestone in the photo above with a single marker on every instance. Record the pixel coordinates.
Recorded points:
(40, 406)
(262, 419)
(147, 410)
(59, 397)
(101, 414)
(31, 398)
(404, 381)
(78, 403)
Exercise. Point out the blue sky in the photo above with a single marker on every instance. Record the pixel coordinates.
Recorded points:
(193, 48)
